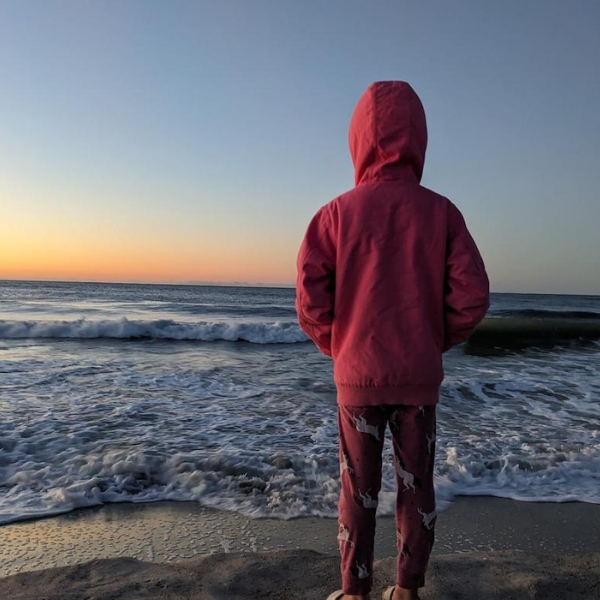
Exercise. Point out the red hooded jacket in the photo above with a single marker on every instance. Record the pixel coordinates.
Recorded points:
(388, 275)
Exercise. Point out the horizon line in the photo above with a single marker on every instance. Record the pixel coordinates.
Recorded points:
(242, 284)
(144, 282)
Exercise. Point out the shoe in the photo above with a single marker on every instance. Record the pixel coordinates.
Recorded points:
(388, 593)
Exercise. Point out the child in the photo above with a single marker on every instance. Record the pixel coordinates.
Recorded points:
(389, 278)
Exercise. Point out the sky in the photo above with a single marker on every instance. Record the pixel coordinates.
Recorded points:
(192, 141)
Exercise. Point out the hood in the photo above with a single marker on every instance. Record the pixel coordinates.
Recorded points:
(388, 133)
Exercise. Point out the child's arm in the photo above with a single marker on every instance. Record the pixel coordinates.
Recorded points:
(316, 281)
(467, 292)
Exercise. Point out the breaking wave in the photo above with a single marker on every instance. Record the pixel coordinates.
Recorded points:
(508, 332)
(163, 329)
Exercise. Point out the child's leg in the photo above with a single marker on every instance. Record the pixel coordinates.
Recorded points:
(362, 431)
(413, 431)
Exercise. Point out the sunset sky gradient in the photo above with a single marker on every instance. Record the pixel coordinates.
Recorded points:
(190, 141)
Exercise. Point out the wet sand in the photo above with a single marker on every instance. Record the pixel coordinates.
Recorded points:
(502, 548)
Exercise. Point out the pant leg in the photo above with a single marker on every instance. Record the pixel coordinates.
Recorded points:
(362, 431)
(413, 431)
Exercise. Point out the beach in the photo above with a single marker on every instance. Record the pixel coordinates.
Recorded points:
(493, 547)
(181, 442)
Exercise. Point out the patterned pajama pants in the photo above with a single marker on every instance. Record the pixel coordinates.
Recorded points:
(362, 432)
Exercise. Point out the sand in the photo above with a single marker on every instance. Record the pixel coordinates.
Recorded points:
(486, 548)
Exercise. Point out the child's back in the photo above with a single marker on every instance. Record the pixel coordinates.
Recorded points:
(388, 275)
(388, 279)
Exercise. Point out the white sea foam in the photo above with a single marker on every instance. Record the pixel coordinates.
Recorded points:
(253, 427)
(235, 432)
(165, 329)
(254, 486)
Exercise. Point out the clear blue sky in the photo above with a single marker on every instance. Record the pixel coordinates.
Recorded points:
(189, 140)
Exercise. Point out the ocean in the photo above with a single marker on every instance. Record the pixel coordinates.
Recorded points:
(139, 393)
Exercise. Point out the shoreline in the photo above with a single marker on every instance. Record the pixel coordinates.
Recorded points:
(168, 532)
(486, 547)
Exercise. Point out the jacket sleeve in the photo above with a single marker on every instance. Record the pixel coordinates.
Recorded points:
(316, 281)
(467, 293)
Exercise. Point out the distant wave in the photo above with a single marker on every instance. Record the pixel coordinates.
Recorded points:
(256, 333)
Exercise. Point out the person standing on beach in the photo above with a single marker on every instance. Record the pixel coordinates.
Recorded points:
(389, 278)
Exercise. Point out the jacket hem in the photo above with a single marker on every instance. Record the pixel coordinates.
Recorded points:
(410, 395)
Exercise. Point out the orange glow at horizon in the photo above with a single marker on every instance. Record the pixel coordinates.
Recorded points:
(89, 235)
(145, 262)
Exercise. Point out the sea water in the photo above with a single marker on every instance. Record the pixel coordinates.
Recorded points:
(139, 393)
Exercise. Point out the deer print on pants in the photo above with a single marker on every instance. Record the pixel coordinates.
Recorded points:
(428, 518)
(344, 535)
(362, 433)
(408, 479)
(363, 426)
(344, 465)
(361, 571)
(366, 500)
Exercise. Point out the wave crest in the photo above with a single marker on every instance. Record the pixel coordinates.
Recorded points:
(164, 329)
